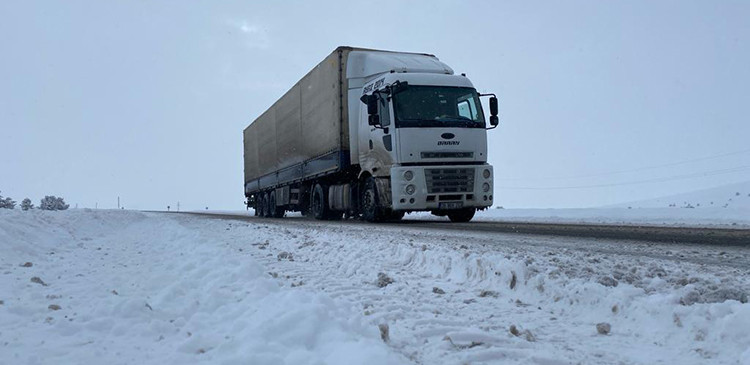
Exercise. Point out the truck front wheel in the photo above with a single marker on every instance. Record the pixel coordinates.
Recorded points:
(461, 215)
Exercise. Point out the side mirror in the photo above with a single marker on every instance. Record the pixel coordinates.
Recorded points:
(372, 103)
(493, 112)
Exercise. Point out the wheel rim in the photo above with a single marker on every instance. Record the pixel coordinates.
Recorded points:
(369, 201)
(317, 204)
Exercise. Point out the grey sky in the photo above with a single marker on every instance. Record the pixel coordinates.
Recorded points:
(147, 100)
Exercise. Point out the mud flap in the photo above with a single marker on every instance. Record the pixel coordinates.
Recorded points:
(384, 192)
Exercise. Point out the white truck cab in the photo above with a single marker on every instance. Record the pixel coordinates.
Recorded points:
(425, 130)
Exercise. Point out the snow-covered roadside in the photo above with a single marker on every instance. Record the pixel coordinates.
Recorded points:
(125, 287)
(456, 297)
(152, 288)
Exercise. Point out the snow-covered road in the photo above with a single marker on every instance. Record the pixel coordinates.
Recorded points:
(149, 287)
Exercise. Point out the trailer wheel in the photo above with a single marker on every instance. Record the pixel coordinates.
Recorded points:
(266, 206)
(260, 205)
(461, 215)
(318, 205)
(371, 211)
(274, 211)
(271, 205)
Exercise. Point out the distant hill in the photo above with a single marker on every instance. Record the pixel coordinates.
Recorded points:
(727, 196)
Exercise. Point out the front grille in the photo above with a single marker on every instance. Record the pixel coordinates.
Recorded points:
(454, 180)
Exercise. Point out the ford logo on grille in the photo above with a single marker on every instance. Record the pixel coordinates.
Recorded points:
(448, 135)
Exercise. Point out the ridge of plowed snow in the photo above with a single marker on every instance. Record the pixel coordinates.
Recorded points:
(137, 288)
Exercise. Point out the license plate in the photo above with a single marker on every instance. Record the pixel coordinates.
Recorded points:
(451, 205)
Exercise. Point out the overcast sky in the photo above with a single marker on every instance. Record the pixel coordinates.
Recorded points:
(600, 102)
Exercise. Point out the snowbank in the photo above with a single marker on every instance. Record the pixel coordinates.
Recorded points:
(125, 287)
(456, 297)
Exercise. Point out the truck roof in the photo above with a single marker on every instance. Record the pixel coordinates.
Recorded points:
(350, 48)
(362, 64)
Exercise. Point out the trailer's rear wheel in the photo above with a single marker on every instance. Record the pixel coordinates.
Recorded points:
(318, 205)
(371, 211)
(461, 215)
(255, 206)
(260, 205)
(274, 211)
(272, 205)
(266, 206)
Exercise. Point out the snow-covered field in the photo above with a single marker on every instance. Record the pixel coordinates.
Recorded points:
(725, 206)
(703, 217)
(123, 287)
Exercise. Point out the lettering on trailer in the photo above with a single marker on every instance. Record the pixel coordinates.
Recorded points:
(448, 143)
(374, 86)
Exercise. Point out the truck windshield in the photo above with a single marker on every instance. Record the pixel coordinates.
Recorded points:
(438, 106)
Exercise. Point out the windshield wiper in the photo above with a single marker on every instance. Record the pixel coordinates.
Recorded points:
(458, 118)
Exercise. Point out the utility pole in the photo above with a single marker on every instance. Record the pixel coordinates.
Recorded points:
(178, 206)
(118, 202)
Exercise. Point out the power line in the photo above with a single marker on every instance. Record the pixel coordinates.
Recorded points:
(654, 180)
(630, 170)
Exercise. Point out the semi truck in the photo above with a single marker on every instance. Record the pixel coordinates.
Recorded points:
(372, 134)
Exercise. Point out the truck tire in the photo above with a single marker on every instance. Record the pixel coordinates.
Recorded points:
(260, 205)
(371, 210)
(266, 206)
(274, 211)
(461, 215)
(318, 206)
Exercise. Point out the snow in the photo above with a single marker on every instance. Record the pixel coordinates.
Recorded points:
(700, 217)
(727, 206)
(170, 288)
(135, 288)
(736, 196)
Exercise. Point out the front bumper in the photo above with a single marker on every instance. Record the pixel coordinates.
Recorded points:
(442, 187)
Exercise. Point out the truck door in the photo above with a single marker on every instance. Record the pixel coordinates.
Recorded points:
(376, 144)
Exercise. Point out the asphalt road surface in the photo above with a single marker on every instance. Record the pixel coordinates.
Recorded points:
(710, 236)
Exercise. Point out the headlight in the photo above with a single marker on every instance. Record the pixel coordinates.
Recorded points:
(486, 174)
(486, 187)
(410, 189)
(408, 175)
